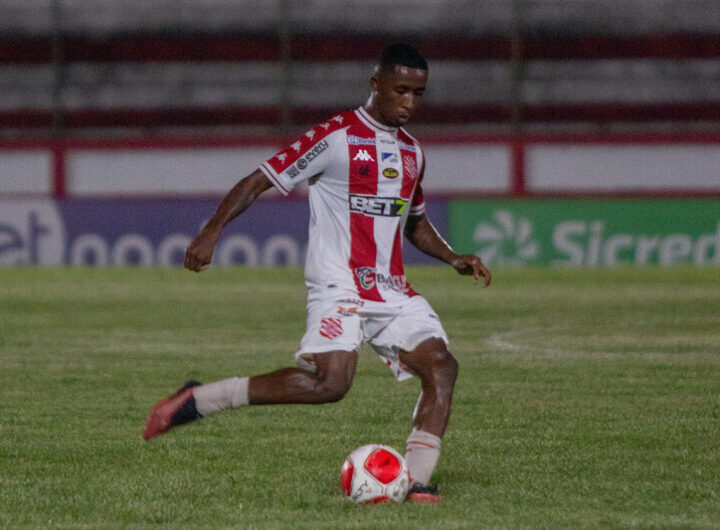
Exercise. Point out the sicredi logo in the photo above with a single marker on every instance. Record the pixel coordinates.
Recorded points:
(31, 233)
(513, 240)
(506, 240)
(590, 243)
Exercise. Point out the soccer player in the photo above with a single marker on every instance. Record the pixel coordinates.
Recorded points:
(364, 174)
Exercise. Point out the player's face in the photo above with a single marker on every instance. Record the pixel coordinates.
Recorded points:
(398, 93)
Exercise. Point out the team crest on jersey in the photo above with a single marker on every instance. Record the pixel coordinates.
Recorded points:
(364, 156)
(410, 166)
(390, 173)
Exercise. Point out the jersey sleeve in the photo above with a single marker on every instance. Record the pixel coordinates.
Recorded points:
(306, 157)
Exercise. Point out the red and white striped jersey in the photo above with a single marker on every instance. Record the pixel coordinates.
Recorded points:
(363, 182)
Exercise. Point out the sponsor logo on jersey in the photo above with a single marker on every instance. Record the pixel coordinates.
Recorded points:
(292, 171)
(407, 147)
(381, 206)
(387, 141)
(390, 173)
(303, 162)
(369, 277)
(354, 301)
(316, 150)
(389, 157)
(356, 140)
(364, 156)
(346, 311)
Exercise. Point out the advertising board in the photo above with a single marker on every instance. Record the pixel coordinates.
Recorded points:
(155, 232)
(571, 233)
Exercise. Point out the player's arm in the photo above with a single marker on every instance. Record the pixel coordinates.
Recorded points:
(199, 254)
(422, 234)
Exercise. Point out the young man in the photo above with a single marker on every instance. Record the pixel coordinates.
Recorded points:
(364, 173)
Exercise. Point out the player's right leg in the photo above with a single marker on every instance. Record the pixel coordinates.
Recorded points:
(329, 382)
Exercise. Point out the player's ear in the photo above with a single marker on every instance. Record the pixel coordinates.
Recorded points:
(375, 79)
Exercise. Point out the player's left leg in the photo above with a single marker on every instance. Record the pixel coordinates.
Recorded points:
(437, 369)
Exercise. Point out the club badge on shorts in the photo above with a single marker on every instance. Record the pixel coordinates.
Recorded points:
(331, 327)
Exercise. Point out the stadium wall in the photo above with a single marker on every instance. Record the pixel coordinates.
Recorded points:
(548, 201)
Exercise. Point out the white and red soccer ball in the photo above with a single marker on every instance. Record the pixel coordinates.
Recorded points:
(373, 474)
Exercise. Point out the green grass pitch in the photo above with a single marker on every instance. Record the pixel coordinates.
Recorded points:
(586, 398)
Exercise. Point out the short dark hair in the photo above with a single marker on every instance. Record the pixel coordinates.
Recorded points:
(402, 54)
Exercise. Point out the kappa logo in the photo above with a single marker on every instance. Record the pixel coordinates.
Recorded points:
(364, 156)
(508, 240)
(282, 157)
(310, 134)
(296, 146)
(325, 125)
(331, 327)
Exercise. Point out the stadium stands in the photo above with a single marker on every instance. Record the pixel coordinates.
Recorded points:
(540, 63)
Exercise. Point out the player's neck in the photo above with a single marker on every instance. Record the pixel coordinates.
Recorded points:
(374, 113)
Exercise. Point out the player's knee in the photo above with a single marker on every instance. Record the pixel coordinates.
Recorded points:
(333, 390)
(334, 386)
(444, 369)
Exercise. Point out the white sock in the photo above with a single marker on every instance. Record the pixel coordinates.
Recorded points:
(225, 394)
(422, 451)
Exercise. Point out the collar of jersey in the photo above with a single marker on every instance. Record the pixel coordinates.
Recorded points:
(369, 121)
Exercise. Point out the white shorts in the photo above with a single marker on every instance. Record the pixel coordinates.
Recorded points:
(339, 320)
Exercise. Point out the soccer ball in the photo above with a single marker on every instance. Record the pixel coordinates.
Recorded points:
(373, 474)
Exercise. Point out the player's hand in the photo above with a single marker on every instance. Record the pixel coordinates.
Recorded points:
(200, 252)
(470, 264)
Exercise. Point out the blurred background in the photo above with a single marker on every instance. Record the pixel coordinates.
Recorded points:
(148, 66)
(528, 100)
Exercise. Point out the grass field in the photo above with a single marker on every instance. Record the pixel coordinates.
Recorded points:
(586, 398)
